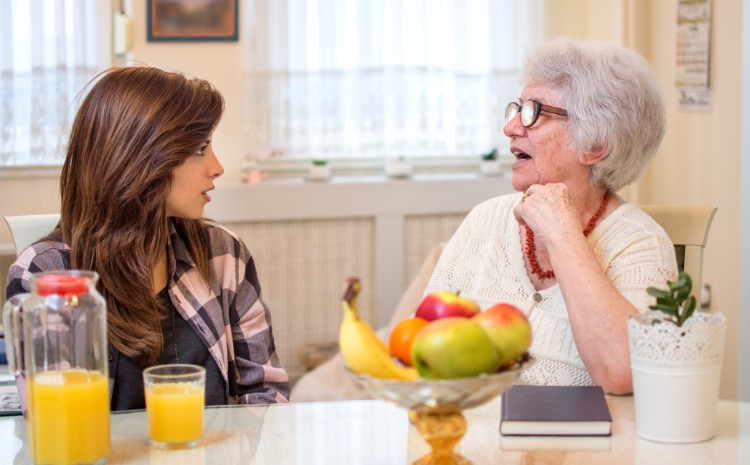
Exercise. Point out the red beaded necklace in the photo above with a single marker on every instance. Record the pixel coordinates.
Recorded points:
(530, 249)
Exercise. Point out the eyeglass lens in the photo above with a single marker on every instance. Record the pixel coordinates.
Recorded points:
(529, 112)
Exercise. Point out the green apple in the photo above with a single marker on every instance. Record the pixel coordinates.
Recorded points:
(508, 328)
(443, 304)
(453, 347)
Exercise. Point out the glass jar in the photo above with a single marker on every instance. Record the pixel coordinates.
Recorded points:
(57, 348)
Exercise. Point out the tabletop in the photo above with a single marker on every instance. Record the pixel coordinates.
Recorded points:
(374, 432)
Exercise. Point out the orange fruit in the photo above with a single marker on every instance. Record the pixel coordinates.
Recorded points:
(399, 342)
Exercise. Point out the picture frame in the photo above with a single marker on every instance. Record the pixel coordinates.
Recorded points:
(192, 20)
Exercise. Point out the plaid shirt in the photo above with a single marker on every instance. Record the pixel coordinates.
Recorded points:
(230, 317)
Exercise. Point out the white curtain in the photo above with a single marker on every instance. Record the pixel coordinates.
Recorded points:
(380, 78)
(49, 49)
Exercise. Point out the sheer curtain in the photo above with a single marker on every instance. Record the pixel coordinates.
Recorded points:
(331, 79)
(49, 49)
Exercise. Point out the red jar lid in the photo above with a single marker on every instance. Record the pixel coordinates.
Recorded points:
(62, 285)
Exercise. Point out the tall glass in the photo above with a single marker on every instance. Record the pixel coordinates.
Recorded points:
(57, 348)
(175, 396)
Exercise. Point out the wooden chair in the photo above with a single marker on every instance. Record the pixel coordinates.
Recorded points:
(27, 229)
(687, 228)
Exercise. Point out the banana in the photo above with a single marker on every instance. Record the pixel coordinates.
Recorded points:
(361, 348)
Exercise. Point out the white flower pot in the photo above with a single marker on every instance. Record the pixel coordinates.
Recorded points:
(319, 172)
(489, 167)
(397, 168)
(676, 374)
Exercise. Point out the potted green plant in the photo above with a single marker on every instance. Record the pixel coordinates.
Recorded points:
(398, 167)
(675, 357)
(319, 170)
(676, 302)
(489, 164)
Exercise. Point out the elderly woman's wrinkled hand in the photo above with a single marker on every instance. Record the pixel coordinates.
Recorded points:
(548, 210)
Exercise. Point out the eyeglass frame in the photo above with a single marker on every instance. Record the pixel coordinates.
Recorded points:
(539, 107)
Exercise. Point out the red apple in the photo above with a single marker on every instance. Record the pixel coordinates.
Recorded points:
(442, 304)
(508, 328)
(453, 347)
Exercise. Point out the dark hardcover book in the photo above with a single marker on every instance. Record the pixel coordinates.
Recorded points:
(555, 411)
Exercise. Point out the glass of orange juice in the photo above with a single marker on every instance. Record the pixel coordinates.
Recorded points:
(175, 396)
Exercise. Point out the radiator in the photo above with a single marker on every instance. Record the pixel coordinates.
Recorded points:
(302, 266)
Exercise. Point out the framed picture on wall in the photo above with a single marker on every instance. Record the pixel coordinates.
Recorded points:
(192, 20)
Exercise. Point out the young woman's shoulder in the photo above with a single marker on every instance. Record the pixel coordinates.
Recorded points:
(218, 230)
(45, 255)
(222, 240)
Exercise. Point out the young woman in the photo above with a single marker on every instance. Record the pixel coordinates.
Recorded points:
(179, 288)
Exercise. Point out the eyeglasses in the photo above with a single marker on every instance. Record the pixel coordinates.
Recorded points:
(530, 110)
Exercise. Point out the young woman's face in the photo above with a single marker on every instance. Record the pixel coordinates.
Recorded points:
(191, 183)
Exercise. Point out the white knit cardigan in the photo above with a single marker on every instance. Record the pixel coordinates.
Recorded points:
(484, 260)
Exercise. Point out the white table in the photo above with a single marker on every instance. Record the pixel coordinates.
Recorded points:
(373, 432)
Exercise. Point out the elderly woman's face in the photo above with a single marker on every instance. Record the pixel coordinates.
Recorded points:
(543, 152)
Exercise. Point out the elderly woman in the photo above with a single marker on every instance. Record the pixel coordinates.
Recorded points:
(567, 249)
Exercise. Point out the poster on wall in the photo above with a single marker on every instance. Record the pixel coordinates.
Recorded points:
(693, 55)
(192, 20)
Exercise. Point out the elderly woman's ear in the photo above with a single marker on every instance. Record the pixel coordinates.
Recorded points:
(593, 156)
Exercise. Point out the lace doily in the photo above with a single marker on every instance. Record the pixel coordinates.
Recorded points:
(699, 342)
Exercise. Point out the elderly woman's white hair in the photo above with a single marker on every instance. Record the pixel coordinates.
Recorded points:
(613, 101)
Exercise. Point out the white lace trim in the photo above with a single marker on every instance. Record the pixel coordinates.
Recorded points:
(698, 343)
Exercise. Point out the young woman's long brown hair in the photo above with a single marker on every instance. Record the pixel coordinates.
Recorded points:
(135, 126)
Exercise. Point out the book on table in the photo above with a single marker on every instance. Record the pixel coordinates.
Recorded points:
(529, 410)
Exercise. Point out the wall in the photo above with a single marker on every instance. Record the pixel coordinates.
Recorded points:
(700, 160)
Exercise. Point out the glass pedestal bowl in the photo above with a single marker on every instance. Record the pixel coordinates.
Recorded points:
(435, 406)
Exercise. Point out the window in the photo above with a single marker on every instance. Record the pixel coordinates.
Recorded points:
(344, 79)
(49, 50)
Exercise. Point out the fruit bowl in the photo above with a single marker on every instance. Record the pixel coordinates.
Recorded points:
(435, 405)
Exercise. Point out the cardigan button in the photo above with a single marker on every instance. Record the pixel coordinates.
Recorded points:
(537, 297)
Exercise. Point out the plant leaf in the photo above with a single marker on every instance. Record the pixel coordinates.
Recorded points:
(687, 310)
(668, 309)
(675, 303)
(658, 293)
(681, 294)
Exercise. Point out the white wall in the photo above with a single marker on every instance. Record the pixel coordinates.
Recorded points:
(700, 160)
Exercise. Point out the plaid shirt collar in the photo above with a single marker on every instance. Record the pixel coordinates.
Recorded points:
(177, 251)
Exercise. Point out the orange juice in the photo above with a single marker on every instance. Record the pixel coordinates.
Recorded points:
(68, 417)
(175, 411)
